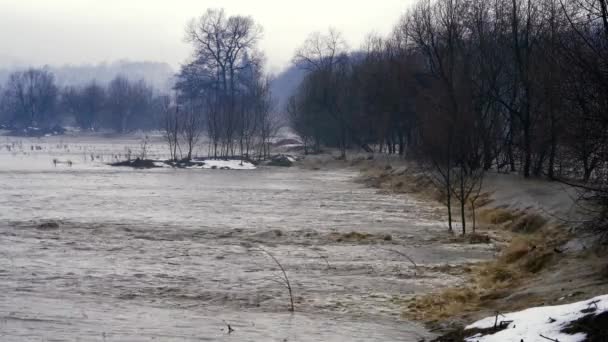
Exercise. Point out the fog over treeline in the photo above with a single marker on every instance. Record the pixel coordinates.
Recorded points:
(157, 74)
(119, 96)
(68, 80)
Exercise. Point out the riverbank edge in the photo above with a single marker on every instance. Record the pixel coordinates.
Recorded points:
(531, 246)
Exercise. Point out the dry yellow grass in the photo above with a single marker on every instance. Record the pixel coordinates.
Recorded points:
(355, 236)
(497, 215)
(483, 200)
(359, 237)
(525, 256)
(516, 250)
(539, 260)
(409, 180)
(496, 275)
(443, 305)
(528, 223)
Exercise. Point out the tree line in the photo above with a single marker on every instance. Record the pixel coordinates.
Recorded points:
(31, 98)
(222, 92)
(466, 86)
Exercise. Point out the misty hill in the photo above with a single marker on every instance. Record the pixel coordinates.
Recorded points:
(285, 84)
(159, 75)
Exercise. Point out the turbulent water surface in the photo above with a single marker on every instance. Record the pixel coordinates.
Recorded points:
(94, 253)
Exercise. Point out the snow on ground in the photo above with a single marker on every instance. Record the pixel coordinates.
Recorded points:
(227, 164)
(528, 325)
(220, 164)
(161, 163)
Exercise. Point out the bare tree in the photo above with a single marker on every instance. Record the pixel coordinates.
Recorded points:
(143, 147)
(225, 50)
(326, 58)
(321, 51)
(282, 279)
(93, 102)
(31, 97)
(266, 120)
(191, 128)
(119, 103)
(300, 121)
(85, 104)
(171, 126)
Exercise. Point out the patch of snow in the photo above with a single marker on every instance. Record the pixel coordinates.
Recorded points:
(227, 164)
(528, 325)
(222, 164)
(161, 163)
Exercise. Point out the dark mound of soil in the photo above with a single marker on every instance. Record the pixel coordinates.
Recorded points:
(460, 335)
(592, 325)
(137, 163)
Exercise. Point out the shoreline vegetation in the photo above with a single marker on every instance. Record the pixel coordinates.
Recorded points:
(195, 163)
(544, 253)
(225, 163)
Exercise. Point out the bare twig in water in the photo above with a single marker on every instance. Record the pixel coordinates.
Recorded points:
(230, 330)
(283, 279)
(407, 257)
(324, 257)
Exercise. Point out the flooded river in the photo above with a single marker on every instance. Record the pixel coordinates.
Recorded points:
(94, 253)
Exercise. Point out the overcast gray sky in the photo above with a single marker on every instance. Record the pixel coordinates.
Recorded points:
(61, 32)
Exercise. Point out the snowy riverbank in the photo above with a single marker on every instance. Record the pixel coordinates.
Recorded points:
(210, 164)
(576, 322)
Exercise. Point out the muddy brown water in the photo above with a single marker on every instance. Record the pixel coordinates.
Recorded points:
(172, 255)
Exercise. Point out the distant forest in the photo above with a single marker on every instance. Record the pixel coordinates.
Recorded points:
(157, 74)
(106, 96)
(31, 98)
(79, 95)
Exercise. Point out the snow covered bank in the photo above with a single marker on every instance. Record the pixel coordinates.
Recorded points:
(219, 164)
(547, 323)
(230, 164)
